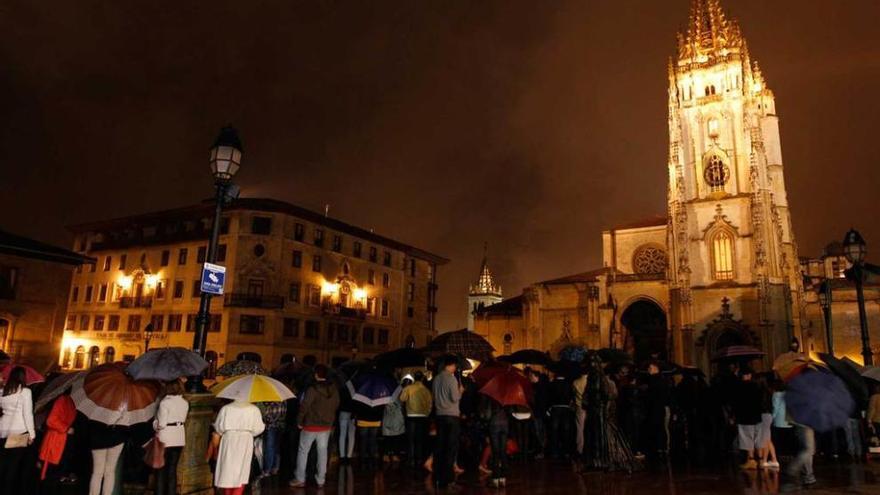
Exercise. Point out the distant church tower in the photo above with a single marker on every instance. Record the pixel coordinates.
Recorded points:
(729, 228)
(484, 292)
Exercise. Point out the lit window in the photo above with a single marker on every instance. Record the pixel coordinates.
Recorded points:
(722, 256)
(713, 128)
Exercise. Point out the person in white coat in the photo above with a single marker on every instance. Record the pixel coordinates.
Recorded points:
(237, 424)
(16, 432)
(169, 426)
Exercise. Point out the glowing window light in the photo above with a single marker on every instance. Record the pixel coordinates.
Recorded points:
(722, 248)
(124, 282)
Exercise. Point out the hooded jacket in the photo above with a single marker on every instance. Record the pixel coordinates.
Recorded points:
(319, 405)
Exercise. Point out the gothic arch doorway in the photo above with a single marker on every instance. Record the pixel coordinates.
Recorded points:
(646, 331)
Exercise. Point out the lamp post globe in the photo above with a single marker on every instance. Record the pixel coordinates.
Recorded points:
(854, 247)
(226, 154)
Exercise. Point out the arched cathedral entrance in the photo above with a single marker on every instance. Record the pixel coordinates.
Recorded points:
(646, 331)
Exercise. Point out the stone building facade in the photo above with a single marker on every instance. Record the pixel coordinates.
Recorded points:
(298, 282)
(726, 245)
(34, 282)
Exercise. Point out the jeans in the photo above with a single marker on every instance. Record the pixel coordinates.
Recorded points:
(561, 429)
(104, 469)
(346, 435)
(270, 450)
(803, 461)
(498, 441)
(446, 450)
(853, 437)
(306, 438)
(368, 438)
(417, 437)
(580, 416)
(166, 477)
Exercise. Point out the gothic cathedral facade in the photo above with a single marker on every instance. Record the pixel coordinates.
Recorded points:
(721, 267)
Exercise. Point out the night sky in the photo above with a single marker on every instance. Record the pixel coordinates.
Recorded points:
(530, 125)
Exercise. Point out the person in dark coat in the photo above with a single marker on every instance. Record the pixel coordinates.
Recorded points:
(748, 405)
(606, 447)
(540, 399)
(658, 399)
(562, 417)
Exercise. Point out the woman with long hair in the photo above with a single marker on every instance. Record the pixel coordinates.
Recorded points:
(16, 432)
(169, 427)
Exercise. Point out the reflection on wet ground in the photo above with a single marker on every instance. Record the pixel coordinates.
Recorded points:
(555, 477)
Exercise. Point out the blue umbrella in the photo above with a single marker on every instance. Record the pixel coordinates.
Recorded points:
(819, 399)
(372, 389)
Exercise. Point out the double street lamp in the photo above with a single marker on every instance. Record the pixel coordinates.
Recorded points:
(855, 249)
(225, 162)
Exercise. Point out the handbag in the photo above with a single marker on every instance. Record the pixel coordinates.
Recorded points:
(154, 453)
(17, 441)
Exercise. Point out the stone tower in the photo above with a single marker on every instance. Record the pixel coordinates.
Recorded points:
(484, 292)
(729, 228)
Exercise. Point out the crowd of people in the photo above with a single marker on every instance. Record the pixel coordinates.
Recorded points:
(596, 415)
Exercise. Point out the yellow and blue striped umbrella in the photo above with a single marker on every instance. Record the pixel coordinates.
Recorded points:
(252, 388)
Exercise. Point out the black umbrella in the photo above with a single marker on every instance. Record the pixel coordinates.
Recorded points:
(166, 364)
(463, 342)
(352, 367)
(527, 356)
(405, 357)
(853, 380)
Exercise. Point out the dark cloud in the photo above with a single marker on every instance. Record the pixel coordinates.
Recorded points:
(530, 125)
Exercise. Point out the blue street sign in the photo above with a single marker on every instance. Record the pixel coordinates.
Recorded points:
(212, 279)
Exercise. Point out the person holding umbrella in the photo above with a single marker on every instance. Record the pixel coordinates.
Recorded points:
(169, 427)
(418, 402)
(447, 396)
(315, 420)
(237, 424)
(16, 430)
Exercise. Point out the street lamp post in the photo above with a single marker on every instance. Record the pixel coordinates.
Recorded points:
(824, 293)
(148, 336)
(855, 248)
(225, 161)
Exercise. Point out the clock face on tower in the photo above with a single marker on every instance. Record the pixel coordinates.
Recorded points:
(716, 173)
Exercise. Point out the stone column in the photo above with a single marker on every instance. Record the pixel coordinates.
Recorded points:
(193, 473)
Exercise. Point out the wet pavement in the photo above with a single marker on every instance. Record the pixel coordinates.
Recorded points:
(557, 477)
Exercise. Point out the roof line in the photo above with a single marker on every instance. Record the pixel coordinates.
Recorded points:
(266, 205)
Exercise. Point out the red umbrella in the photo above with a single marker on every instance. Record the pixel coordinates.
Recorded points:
(31, 375)
(487, 370)
(508, 388)
(108, 395)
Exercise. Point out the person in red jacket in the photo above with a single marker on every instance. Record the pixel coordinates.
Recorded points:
(58, 426)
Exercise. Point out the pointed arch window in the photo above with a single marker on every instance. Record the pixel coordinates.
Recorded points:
(722, 255)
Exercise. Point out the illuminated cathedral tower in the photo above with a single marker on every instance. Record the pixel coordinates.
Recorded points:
(484, 292)
(729, 228)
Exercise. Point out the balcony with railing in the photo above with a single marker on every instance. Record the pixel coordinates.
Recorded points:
(243, 300)
(328, 307)
(135, 302)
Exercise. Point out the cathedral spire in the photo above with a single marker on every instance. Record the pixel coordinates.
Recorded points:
(709, 33)
(485, 284)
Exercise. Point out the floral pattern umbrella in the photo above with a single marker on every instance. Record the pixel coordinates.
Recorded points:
(241, 367)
